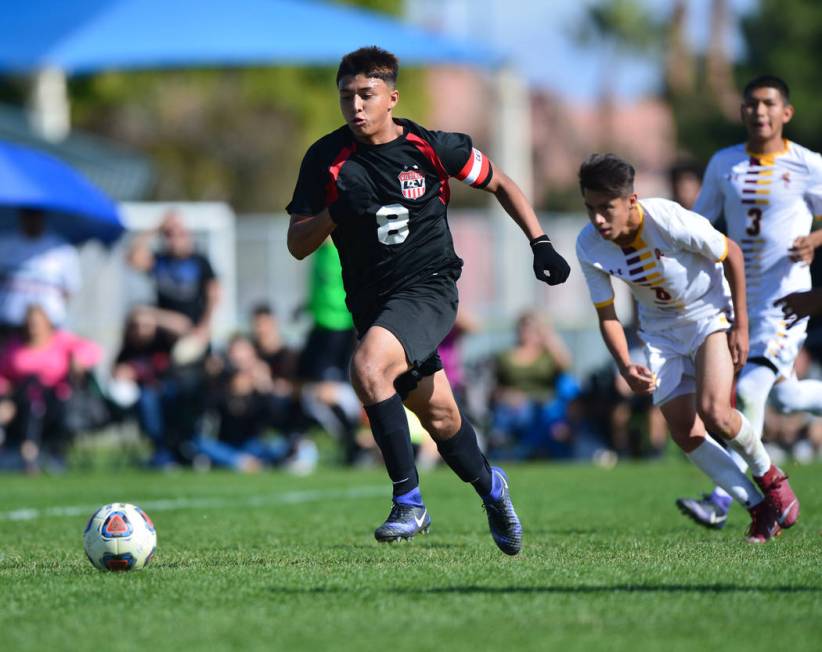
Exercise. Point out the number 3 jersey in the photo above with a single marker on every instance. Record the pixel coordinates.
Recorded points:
(672, 267)
(389, 202)
(768, 200)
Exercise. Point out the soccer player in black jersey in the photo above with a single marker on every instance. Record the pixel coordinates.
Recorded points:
(378, 186)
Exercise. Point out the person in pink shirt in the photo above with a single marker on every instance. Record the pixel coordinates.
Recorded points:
(38, 373)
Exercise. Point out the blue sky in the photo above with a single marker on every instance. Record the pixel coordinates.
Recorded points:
(538, 36)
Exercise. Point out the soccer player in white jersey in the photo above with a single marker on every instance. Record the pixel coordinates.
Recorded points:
(689, 283)
(770, 191)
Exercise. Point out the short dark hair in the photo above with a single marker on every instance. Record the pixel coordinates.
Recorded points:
(607, 173)
(768, 81)
(261, 309)
(685, 167)
(370, 61)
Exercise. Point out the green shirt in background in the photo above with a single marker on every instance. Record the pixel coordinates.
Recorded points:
(327, 295)
(536, 379)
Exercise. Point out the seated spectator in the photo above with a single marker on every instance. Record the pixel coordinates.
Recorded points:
(268, 342)
(244, 416)
(451, 354)
(532, 393)
(188, 288)
(612, 416)
(37, 266)
(143, 370)
(243, 399)
(40, 371)
(287, 413)
(327, 396)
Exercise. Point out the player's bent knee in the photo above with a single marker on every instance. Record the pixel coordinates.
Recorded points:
(687, 441)
(716, 414)
(370, 376)
(441, 422)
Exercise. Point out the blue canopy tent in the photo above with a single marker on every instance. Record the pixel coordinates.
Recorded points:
(85, 36)
(75, 208)
(54, 38)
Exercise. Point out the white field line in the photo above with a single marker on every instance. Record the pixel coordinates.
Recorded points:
(167, 504)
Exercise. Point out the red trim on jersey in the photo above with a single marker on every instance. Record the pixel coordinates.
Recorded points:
(482, 177)
(429, 153)
(334, 173)
(466, 169)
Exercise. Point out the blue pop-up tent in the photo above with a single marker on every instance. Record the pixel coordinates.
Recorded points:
(84, 36)
(75, 208)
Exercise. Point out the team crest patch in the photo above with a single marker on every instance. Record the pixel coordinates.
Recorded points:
(412, 184)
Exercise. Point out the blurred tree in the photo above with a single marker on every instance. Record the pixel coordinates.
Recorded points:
(784, 38)
(384, 6)
(626, 28)
(236, 135)
(680, 64)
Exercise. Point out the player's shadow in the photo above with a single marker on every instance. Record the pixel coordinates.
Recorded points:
(616, 588)
(559, 589)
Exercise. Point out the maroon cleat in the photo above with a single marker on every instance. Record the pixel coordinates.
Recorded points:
(764, 524)
(774, 484)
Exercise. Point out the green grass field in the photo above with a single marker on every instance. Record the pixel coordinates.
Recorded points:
(272, 562)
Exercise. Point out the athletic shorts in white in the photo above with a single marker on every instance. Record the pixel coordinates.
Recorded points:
(773, 340)
(671, 355)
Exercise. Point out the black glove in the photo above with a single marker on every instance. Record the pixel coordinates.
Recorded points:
(549, 266)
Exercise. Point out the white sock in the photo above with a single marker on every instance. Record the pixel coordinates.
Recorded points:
(752, 389)
(749, 446)
(714, 461)
(741, 464)
(792, 395)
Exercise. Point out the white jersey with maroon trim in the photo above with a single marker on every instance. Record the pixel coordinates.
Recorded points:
(673, 266)
(768, 200)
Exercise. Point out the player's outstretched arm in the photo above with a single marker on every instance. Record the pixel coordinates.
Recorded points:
(307, 232)
(549, 266)
(640, 379)
(734, 267)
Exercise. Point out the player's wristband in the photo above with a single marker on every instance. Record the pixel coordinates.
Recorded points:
(540, 240)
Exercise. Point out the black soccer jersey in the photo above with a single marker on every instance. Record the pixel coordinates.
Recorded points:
(389, 202)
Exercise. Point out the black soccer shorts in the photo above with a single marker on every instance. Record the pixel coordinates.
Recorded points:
(419, 316)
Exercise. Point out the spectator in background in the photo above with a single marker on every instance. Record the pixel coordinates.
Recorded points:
(451, 355)
(327, 396)
(240, 398)
(39, 267)
(685, 177)
(40, 371)
(186, 286)
(184, 279)
(626, 423)
(286, 410)
(268, 342)
(532, 393)
(143, 376)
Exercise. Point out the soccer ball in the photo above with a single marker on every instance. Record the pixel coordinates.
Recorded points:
(119, 537)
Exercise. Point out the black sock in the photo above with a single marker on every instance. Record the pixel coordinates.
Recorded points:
(463, 455)
(390, 428)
